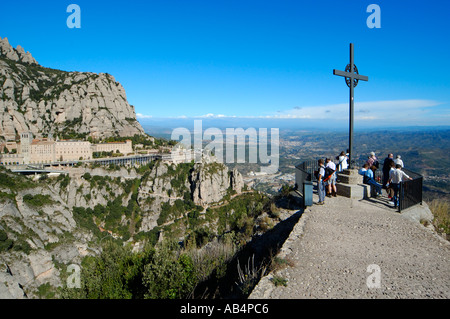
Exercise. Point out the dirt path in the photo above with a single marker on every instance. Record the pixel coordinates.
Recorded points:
(357, 249)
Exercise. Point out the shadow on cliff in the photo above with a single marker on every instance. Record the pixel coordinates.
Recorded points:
(256, 256)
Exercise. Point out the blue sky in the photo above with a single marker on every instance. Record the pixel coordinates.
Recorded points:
(251, 59)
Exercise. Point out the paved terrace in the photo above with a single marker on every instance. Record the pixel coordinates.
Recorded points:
(332, 246)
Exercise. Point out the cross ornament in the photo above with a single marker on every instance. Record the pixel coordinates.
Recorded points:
(352, 77)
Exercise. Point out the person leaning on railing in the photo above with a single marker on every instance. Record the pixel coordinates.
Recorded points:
(396, 176)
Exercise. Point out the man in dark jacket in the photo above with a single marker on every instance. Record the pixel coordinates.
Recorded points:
(387, 168)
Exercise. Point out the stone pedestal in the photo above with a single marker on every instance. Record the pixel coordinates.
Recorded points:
(351, 185)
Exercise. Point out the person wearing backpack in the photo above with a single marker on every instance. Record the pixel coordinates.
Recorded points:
(320, 183)
(330, 177)
(373, 160)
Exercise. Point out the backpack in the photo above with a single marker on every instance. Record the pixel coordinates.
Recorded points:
(316, 175)
(376, 164)
(328, 173)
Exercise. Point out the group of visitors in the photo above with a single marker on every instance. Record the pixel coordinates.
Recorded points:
(326, 177)
(392, 176)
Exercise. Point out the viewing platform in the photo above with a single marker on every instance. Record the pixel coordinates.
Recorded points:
(360, 248)
(350, 184)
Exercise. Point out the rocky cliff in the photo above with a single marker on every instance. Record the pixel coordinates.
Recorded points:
(37, 231)
(202, 184)
(66, 104)
(210, 183)
(49, 224)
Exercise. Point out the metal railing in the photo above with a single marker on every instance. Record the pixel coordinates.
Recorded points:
(304, 177)
(309, 167)
(410, 191)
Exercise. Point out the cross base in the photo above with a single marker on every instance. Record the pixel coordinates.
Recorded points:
(351, 185)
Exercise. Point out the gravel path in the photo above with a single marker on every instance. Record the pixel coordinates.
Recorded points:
(332, 246)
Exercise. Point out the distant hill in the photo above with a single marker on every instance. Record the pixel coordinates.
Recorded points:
(66, 104)
(423, 151)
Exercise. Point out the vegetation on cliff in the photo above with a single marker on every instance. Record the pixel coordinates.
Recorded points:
(107, 210)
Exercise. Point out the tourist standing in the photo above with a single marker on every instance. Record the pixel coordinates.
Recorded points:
(397, 176)
(320, 183)
(343, 162)
(331, 182)
(398, 160)
(386, 168)
(372, 160)
(389, 189)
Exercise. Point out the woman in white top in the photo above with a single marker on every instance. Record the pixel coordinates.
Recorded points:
(342, 162)
(397, 176)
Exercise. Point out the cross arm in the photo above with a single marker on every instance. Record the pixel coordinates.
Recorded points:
(351, 75)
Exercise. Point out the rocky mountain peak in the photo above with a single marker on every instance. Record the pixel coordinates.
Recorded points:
(18, 54)
(69, 105)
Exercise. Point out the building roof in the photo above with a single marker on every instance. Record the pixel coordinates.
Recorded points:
(42, 142)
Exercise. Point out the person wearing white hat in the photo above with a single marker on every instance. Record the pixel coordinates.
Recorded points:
(399, 161)
(372, 160)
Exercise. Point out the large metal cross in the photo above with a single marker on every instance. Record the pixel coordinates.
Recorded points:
(352, 78)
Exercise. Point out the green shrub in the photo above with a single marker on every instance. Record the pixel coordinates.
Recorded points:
(8, 244)
(64, 180)
(22, 245)
(115, 274)
(46, 291)
(151, 237)
(15, 182)
(5, 196)
(83, 218)
(169, 276)
(5, 243)
(38, 200)
(279, 281)
(118, 273)
(441, 212)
